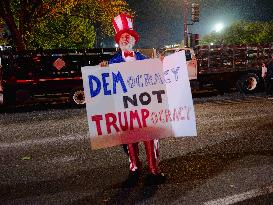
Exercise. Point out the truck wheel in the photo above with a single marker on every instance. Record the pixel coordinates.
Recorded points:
(248, 83)
(77, 97)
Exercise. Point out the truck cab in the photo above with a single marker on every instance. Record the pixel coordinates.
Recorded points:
(190, 60)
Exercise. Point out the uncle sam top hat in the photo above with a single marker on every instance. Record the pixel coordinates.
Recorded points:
(123, 23)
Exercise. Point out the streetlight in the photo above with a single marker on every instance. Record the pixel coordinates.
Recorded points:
(218, 27)
(116, 46)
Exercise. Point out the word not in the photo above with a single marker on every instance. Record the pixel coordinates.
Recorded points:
(167, 115)
(95, 84)
(123, 121)
(144, 98)
(147, 79)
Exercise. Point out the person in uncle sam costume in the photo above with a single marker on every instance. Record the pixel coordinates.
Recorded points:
(126, 38)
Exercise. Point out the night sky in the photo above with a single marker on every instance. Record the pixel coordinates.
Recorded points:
(160, 22)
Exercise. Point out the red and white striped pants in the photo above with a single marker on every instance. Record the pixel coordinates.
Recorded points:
(152, 155)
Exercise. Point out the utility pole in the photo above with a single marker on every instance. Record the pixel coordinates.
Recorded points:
(195, 12)
(185, 16)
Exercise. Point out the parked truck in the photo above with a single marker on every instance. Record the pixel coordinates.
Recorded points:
(226, 66)
(52, 74)
(32, 76)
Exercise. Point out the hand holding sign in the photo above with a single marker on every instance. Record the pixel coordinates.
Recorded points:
(104, 64)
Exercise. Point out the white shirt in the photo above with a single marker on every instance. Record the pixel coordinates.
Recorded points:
(128, 58)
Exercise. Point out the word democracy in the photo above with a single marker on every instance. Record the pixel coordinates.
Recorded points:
(113, 80)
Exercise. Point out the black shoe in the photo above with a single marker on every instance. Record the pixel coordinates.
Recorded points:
(132, 179)
(155, 179)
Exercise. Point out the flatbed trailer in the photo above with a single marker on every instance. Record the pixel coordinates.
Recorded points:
(226, 66)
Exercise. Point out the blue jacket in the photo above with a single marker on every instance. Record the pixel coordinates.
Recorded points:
(117, 58)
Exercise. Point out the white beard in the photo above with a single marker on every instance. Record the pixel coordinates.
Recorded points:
(129, 46)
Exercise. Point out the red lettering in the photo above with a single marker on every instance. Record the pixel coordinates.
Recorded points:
(180, 112)
(154, 117)
(168, 115)
(138, 118)
(97, 119)
(161, 119)
(144, 114)
(175, 115)
(133, 116)
(125, 126)
(111, 120)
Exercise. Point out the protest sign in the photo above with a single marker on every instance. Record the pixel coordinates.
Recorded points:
(138, 101)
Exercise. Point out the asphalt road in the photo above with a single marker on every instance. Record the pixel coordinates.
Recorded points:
(45, 158)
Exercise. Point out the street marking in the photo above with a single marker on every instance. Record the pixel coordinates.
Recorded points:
(241, 197)
(43, 141)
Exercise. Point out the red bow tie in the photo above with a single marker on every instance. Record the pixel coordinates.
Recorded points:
(128, 53)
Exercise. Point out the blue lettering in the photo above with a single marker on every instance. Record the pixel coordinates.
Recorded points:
(131, 82)
(158, 78)
(175, 72)
(148, 79)
(167, 79)
(139, 83)
(92, 80)
(116, 79)
(105, 84)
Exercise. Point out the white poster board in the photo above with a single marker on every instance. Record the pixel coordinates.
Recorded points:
(138, 101)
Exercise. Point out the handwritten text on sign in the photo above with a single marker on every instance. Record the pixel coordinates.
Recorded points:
(137, 101)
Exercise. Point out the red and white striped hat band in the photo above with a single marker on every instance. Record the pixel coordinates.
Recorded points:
(123, 23)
